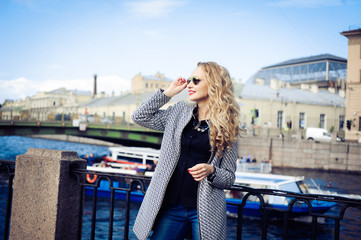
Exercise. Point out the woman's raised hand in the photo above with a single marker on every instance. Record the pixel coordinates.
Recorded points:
(176, 87)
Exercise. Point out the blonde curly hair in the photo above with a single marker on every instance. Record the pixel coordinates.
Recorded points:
(223, 109)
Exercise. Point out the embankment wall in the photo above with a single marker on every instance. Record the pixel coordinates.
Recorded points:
(292, 153)
(295, 153)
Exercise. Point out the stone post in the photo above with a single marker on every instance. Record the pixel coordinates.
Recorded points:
(46, 197)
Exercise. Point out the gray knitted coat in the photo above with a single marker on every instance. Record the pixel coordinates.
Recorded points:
(211, 201)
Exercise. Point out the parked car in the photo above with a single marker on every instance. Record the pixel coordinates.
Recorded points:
(318, 134)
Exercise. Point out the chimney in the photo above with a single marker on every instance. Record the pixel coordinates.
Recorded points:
(95, 86)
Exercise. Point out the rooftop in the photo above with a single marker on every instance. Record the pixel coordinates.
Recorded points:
(317, 58)
(314, 69)
(290, 95)
(64, 91)
(129, 99)
(352, 32)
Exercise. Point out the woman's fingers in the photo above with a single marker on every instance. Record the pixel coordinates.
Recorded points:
(200, 171)
(176, 87)
(199, 179)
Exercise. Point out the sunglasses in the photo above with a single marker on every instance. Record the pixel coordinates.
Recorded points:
(195, 80)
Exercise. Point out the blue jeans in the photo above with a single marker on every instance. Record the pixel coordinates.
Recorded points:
(175, 223)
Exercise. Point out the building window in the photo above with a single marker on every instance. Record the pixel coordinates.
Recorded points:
(301, 123)
(322, 120)
(146, 85)
(341, 122)
(359, 123)
(279, 119)
(54, 103)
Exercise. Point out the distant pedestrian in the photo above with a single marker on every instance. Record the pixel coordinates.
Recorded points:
(137, 169)
(198, 157)
(91, 159)
(151, 167)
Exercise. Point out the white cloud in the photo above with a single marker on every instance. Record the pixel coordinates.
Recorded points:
(308, 3)
(21, 88)
(15, 89)
(111, 83)
(154, 8)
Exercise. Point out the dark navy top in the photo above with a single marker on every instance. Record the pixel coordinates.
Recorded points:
(195, 149)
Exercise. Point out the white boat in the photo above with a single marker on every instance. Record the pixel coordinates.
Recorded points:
(234, 198)
(262, 167)
(294, 184)
(126, 157)
(128, 160)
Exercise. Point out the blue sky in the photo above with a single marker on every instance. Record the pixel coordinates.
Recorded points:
(47, 44)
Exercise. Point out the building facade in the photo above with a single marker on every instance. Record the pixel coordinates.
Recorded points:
(12, 110)
(120, 108)
(46, 106)
(286, 98)
(353, 90)
(143, 84)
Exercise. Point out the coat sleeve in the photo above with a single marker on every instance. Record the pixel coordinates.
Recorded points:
(225, 172)
(148, 114)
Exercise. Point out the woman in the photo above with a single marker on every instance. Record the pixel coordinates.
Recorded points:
(197, 158)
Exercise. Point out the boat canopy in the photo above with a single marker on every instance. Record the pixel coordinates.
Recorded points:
(270, 180)
(143, 154)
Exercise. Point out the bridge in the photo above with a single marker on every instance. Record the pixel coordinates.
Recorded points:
(121, 134)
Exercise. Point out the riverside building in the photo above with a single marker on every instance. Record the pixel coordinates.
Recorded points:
(45, 106)
(353, 90)
(286, 98)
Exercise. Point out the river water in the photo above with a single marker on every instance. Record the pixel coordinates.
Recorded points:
(345, 184)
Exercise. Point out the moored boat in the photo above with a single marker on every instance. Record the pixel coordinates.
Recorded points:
(131, 160)
(127, 157)
(294, 184)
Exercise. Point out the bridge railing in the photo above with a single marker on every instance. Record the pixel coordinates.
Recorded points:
(68, 123)
(132, 186)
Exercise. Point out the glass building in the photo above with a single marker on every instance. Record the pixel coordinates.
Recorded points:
(323, 70)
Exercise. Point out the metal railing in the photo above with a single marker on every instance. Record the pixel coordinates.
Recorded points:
(117, 182)
(130, 184)
(287, 213)
(9, 168)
